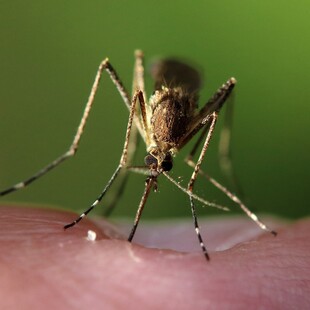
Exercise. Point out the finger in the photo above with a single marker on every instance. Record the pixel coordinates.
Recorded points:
(47, 267)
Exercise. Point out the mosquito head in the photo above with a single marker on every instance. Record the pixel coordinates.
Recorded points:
(156, 164)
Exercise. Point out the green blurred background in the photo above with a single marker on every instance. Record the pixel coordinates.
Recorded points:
(49, 54)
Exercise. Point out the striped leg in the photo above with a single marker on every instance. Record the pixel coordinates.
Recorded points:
(138, 83)
(123, 161)
(235, 199)
(213, 119)
(104, 65)
(203, 248)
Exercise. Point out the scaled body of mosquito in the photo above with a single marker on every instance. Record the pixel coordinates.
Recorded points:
(166, 123)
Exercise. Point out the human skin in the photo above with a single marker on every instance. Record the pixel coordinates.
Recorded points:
(44, 267)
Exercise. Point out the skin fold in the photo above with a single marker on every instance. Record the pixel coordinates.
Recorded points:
(44, 267)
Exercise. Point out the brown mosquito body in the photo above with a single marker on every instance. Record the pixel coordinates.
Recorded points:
(166, 123)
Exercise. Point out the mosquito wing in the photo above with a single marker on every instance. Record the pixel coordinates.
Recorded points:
(174, 73)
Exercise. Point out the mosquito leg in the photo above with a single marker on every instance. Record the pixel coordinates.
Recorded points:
(138, 83)
(123, 160)
(203, 248)
(96, 202)
(138, 76)
(148, 185)
(133, 124)
(124, 175)
(112, 201)
(224, 150)
(216, 102)
(213, 105)
(218, 99)
(223, 93)
(197, 144)
(225, 140)
(73, 147)
(224, 145)
(206, 118)
(193, 178)
(235, 199)
(104, 65)
(213, 119)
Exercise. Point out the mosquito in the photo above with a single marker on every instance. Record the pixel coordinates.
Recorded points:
(166, 123)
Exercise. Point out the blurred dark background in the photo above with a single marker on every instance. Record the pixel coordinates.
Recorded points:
(49, 54)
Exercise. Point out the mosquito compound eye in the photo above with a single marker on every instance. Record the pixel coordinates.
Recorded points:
(167, 163)
(150, 160)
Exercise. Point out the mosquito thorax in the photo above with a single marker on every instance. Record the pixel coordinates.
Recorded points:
(172, 111)
(159, 165)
